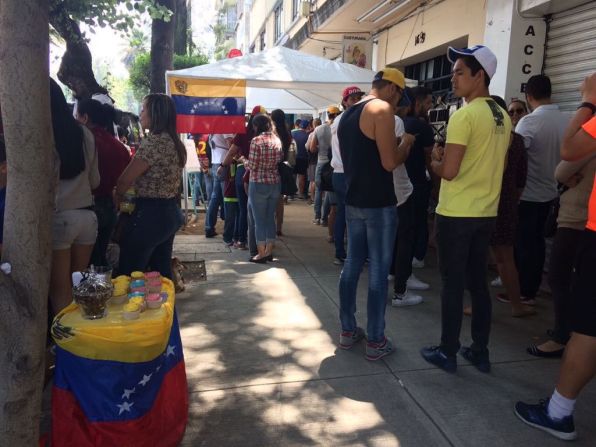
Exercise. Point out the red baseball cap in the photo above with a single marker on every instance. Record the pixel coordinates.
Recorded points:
(351, 90)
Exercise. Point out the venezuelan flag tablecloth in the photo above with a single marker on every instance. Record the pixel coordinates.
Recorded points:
(119, 382)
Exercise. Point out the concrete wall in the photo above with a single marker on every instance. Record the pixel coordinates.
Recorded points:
(446, 22)
(518, 44)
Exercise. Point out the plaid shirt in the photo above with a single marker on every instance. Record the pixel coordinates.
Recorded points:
(263, 158)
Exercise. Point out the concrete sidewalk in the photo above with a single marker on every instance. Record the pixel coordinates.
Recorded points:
(264, 369)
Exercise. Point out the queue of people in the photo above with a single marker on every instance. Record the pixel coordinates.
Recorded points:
(501, 175)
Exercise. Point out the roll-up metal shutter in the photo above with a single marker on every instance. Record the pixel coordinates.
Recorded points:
(570, 52)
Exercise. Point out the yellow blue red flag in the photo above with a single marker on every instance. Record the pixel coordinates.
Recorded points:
(209, 106)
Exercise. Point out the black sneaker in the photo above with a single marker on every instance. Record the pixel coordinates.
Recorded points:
(537, 416)
(479, 360)
(210, 234)
(434, 355)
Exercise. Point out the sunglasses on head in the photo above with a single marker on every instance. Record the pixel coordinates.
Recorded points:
(518, 111)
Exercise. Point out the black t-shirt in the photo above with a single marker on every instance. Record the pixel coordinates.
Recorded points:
(416, 161)
(300, 136)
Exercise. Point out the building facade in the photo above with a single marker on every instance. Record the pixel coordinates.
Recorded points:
(555, 37)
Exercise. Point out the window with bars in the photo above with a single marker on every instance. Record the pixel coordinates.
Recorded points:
(295, 8)
(434, 74)
(278, 16)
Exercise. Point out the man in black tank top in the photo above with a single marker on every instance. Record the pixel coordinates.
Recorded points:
(370, 152)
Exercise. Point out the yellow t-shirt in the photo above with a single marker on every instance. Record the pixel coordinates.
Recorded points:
(485, 129)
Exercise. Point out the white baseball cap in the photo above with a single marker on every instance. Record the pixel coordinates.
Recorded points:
(485, 57)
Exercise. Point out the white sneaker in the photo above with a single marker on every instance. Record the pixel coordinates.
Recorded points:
(497, 282)
(405, 299)
(415, 284)
(390, 277)
(417, 263)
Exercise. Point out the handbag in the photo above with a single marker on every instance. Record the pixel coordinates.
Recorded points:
(288, 184)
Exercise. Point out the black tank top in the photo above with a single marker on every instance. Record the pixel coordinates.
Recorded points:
(369, 185)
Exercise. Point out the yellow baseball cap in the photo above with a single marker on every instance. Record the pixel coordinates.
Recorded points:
(333, 110)
(392, 75)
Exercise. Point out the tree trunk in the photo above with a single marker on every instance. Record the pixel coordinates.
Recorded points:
(24, 94)
(162, 47)
(76, 67)
(181, 32)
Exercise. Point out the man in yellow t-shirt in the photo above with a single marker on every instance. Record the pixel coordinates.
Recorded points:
(471, 168)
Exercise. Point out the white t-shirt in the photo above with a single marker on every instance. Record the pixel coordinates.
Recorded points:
(336, 163)
(220, 147)
(323, 134)
(401, 182)
(543, 131)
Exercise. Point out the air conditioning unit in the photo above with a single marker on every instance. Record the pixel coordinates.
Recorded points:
(305, 8)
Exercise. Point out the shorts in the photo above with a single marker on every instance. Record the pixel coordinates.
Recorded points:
(301, 166)
(71, 227)
(583, 292)
(312, 168)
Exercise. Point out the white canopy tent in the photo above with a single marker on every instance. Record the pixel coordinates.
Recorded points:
(281, 78)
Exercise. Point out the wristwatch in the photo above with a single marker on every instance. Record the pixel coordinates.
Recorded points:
(588, 105)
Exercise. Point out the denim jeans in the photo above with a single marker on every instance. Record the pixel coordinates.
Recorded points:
(250, 219)
(106, 221)
(530, 245)
(231, 223)
(148, 237)
(421, 198)
(263, 199)
(242, 205)
(463, 244)
(318, 192)
(371, 233)
(208, 177)
(199, 187)
(216, 202)
(339, 231)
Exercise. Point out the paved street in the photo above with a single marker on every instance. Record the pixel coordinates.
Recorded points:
(264, 369)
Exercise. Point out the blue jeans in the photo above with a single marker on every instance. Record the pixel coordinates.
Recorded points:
(250, 219)
(231, 223)
(208, 185)
(242, 205)
(263, 201)
(339, 231)
(371, 233)
(148, 237)
(199, 187)
(318, 192)
(216, 201)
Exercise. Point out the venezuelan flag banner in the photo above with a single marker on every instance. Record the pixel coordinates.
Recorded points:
(119, 383)
(209, 106)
